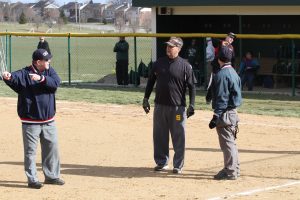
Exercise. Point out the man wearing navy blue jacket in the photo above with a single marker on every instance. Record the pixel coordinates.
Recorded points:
(226, 97)
(36, 86)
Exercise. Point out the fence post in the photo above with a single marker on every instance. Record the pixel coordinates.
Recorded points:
(205, 63)
(69, 59)
(135, 62)
(293, 69)
(6, 49)
(10, 53)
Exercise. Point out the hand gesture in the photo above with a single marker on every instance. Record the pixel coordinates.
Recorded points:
(6, 75)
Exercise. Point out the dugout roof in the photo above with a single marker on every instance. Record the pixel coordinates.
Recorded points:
(153, 3)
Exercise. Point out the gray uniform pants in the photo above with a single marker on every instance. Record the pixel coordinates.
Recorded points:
(47, 135)
(228, 145)
(169, 119)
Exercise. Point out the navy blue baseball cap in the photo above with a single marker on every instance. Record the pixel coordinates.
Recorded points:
(41, 54)
(225, 54)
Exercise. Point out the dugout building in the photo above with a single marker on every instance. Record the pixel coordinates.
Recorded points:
(223, 16)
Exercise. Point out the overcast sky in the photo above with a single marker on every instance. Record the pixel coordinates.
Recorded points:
(60, 2)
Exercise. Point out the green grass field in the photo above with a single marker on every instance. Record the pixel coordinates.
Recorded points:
(91, 58)
(277, 105)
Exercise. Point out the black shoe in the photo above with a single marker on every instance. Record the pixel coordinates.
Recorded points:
(57, 181)
(177, 171)
(35, 185)
(222, 175)
(159, 168)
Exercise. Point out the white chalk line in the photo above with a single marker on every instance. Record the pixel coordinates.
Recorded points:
(251, 192)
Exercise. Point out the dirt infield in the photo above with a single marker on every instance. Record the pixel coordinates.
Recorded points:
(106, 153)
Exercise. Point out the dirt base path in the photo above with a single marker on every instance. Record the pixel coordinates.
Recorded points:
(106, 153)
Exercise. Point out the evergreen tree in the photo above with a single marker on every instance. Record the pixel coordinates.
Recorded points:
(63, 17)
(22, 19)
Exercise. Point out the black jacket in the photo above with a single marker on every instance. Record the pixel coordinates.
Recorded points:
(172, 77)
(44, 45)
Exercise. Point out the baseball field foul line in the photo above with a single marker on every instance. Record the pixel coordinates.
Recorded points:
(251, 192)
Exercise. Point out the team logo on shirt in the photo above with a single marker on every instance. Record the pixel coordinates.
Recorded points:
(178, 117)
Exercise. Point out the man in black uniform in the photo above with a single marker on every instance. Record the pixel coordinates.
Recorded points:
(226, 97)
(172, 75)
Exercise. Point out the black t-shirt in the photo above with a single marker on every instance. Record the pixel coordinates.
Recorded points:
(172, 77)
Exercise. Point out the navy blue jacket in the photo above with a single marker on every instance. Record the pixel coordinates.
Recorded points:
(36, 99)
(226, 90)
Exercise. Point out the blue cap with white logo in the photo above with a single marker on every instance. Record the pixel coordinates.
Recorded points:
(41, 54)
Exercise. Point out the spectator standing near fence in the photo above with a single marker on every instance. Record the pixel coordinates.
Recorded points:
(173, 75)
(121, 48)
(36, 86)
(248, 68)
(43, 44)
(192, 55)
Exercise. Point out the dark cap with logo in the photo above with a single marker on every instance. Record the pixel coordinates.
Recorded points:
(41, 54)
(175, 42)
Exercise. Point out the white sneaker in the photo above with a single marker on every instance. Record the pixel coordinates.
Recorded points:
(177, 171)
(160, 168)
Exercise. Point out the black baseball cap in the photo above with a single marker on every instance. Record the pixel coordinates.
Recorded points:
(41, 54)
(225, 54)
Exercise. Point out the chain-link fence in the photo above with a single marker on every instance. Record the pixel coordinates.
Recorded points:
(90, 57)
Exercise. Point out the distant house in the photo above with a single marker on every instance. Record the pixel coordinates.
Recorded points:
(70, 10)
(132, 15)
(92, 12)
(43, 7)
(113, 10)
(4, 11)
(120, 12)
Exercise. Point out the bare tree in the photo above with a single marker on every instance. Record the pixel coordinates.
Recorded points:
(30, 15)
(60, 23)
(52, 15)
(120, 22)
(1, 14)
(37, 20)
(145, 21)
(134, 24)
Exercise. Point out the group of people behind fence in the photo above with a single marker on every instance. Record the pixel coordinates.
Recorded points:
(247, 69)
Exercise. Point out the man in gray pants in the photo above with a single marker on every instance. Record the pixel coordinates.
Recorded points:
(173, 75)
(226, 97)
(36, 86)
